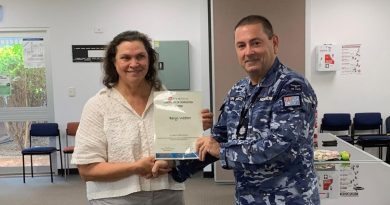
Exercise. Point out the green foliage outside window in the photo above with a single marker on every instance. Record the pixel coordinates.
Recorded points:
(28, 84)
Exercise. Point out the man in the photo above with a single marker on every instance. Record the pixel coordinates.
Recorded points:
(265, 129)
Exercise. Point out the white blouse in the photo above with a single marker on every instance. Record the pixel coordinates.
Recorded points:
(111, 131)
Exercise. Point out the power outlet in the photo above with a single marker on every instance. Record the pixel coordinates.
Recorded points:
(98, 29)
(72, 92)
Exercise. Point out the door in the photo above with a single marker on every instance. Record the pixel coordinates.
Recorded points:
(173, 64)
(25, 94)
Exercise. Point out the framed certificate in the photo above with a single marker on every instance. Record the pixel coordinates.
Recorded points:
(178, 123)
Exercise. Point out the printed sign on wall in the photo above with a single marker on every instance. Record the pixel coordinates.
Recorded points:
(328, 57)
(351, 63)
(88, 53)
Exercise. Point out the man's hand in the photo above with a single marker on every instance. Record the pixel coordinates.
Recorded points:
(207, 119)
(206, 145)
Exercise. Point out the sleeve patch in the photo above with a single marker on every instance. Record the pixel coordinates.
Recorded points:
(295, 87)
(292, 101)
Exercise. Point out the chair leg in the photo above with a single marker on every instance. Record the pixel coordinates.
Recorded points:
(51, 169)
(62, 168)
(380, 152)
(24, 172)
(66, 164)
(31, 161)
(388, 154)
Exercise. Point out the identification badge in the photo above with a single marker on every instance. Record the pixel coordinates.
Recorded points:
(242, 129)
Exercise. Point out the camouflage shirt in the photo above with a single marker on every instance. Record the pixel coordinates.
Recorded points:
(266, 136)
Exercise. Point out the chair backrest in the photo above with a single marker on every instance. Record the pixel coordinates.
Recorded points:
(44, 130)
(388, 125)
(71, 128)
(336, 122)
(368, 121)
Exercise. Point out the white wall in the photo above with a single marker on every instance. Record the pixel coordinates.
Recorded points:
(72, 22)
(348, 22)
(362, 22)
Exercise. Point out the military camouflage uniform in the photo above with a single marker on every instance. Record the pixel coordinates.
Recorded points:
(270, 149)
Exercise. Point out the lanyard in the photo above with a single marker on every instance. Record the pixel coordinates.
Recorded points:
(242, 127)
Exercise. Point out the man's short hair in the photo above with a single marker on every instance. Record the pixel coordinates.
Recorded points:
(255, 19)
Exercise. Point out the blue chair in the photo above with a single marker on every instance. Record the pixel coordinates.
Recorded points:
(370, 122)
(42, 130)
(388, 134)
(337, 122)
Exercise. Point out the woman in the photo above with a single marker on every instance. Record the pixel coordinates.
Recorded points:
(114, 141)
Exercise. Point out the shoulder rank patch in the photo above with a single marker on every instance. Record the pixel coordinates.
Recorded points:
(292, 101)
(236, 98)
(295, 86)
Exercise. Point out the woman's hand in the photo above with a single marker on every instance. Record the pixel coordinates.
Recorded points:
(144, 167)
(113, 171)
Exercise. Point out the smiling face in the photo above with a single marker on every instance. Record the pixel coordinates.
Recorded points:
(256, 52)
(131, 62)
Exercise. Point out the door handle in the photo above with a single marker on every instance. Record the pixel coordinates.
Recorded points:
(161, 65)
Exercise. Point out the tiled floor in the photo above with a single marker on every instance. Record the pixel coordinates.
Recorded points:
(39, 191)
(16, 161)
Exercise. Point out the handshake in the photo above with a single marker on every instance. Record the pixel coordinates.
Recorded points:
(208, 150)
(186, 168)
(148, 167)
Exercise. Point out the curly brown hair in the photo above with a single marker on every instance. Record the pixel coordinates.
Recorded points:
(111, 77)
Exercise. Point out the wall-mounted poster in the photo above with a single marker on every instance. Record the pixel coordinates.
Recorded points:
(88, 53)
(351, 63)
(328, 57)
(33, 52)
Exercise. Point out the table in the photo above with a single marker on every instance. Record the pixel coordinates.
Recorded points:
(337, 179)
(365, 179)
(355, 183)
(357, 155)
